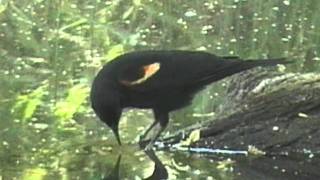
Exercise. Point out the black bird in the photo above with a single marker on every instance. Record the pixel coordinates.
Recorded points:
(159, 80)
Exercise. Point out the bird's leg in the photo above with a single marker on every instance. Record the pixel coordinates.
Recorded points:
(162, 117)
(144, 135)
(154, 138)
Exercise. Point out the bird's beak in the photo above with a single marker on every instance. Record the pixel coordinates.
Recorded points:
(116, 134)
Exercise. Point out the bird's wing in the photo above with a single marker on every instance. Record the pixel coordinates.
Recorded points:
(145, 71)
(172, 73)
(168, 70)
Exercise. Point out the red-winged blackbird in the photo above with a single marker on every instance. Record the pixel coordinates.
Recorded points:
(159, 80)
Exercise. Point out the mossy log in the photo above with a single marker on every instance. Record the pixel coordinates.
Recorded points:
(272, 111)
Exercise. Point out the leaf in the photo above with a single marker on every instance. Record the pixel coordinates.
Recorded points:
(34, 174)
(34, 100)
(77, 95)
(127, 13)
(255, 151)
(74, 24)
(137, 2)
(115, 51)
(225, 164)
(2, 8)
(180, 167)
(30, 102)
(193, 137)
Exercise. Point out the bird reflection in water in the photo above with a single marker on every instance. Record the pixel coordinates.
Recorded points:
(159, 172)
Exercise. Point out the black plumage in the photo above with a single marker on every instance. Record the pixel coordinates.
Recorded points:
(163, 81)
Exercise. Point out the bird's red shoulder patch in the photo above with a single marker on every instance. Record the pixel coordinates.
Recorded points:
(148, 71)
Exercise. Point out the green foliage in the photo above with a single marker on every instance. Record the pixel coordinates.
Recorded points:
(3, 7)
(28, 103)
(115, 51)
(66, 109)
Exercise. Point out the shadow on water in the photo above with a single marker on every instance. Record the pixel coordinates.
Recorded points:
(160, 171)
(115, 173)
(180, 165)
(129, 162)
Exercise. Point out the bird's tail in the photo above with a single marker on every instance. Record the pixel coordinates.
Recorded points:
(265, 62)
(251, 63)
(236, 65)
(243, 65)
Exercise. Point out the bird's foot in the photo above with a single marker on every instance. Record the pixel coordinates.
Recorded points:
(149, 147)
(137, 139)
(144, 143)
(141, 138)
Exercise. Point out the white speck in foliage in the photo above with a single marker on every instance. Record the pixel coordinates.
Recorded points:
(286, 2)
(275, 8)
(275, 128)
(190, 13)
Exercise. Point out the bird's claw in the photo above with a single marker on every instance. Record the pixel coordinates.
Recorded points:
(148, 147)
(141, 138)
(137, 139)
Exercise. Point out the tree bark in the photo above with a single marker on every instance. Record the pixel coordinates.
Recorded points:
(272, 111)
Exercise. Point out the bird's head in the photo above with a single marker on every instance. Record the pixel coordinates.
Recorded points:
(107, 108)
(111, 116)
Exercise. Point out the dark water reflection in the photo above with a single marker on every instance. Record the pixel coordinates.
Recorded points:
(129, 162)
(160, 171)
(239, 167)
(220, 166)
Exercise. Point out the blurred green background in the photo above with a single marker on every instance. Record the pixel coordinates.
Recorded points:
(51, 50)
